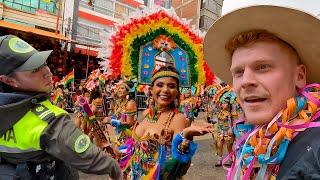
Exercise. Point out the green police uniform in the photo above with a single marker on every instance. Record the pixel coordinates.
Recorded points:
(34, 131)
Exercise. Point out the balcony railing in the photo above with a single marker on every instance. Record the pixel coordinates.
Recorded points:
(102, 10)
(110, 10)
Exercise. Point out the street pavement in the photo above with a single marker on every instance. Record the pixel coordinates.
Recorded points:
(202, 167)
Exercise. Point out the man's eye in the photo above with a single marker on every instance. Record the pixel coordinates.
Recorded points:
(263, 67)
(238, 73)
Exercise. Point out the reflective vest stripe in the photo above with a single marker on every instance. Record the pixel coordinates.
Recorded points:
(5, 149)
(44, 114)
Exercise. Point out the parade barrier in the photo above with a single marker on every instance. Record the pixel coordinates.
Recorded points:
(141, 101)
(107, 105)
(69, 104)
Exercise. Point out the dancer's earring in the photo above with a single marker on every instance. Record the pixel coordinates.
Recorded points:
(176, 103)
(151, 101)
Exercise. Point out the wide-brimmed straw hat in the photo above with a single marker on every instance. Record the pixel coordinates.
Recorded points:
(300, 29)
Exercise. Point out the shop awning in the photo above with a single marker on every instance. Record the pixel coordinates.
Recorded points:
(40, 32)
(87, 52)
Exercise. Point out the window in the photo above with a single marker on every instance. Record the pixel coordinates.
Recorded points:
(205, 22)
(163, 3)
(34, 4)
(22, 5)
(31, 6)
(131, 12)
(104, 3)
(168, 4)
(145, 2)
(219, 8)
(212, 6)
(26, 2)
(121, 11)
(105, 7)
(51, 7)
(203, 4)
(89, 32)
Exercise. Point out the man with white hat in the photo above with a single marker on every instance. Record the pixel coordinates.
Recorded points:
(272, 53)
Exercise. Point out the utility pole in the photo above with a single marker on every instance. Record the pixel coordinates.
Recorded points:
(58, 16)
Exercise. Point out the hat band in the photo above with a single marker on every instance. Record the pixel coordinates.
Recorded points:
(164, 74)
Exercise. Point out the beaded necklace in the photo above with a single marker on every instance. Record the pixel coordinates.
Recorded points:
(266, 145)
(153, 114)
(120, 106)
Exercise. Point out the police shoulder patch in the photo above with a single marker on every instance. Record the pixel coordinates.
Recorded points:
(82, 143)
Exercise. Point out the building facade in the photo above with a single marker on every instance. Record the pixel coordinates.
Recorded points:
(210, 11)
(93, 17)
(200, 13)
(39, 17)
(188, 9)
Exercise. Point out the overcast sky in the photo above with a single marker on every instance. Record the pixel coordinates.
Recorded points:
(311, 6)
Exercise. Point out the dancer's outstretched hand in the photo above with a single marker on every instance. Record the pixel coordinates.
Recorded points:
(106, 120)
(197, 129)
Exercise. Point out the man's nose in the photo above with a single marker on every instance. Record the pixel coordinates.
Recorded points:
(248, 78)
(46, 72)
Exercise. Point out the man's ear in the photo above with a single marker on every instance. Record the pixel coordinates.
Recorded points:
(8, 80)
(301, 76)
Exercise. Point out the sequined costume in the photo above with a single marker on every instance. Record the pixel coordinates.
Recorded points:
(212, 109)
(121, 113)
(224, 99)
(223, 135)
(224, 125)
(211, 112)
(188, 108)
(151, 156)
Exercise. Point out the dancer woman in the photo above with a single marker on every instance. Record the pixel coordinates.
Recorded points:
(80, 120)
(124, 112)
(188, 106)
(224, 135)
(161, 146)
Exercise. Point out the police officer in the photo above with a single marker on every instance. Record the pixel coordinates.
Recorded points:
(37, 139)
